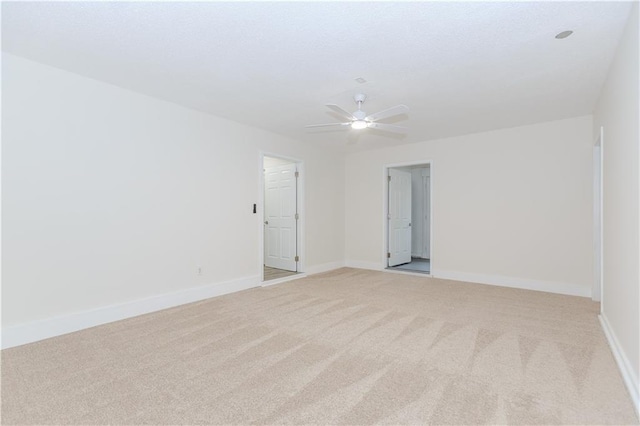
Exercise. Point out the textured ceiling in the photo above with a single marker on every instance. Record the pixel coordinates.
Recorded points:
(461, 67)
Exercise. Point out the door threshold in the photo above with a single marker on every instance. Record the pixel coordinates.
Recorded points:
(406, 272)
(283, 279)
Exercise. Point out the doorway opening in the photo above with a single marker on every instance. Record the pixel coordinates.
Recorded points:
(408, 218)
(281, 214)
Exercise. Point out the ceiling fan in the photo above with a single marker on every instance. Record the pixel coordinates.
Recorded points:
(360, 120)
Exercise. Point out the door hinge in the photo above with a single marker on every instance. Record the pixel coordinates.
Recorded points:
(388, 255)
(297, 174)
(297, 259)
(297, 216)
(389, 178)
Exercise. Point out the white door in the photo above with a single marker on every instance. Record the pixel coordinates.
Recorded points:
(399, 217)
(280, 217)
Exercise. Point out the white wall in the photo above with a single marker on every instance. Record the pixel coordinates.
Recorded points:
(617, 111)
(511, 206)
(110, 196)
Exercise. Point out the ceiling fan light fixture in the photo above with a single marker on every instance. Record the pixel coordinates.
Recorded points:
(360, 120)
(359, 125)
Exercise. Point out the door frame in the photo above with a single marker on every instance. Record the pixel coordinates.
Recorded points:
(300, 225)
(385, 212)
(598, 219)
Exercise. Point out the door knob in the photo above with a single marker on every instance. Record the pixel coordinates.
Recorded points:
(266, 222)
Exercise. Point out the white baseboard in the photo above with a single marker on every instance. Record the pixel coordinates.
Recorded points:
(630, 380)
(324, 267)
(38, 330)
(363, 265)
(527, 284)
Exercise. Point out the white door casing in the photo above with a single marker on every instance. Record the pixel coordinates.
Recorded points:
(280, 229)
(596, 294)
(427, 218)
(417, 206)
(399, 217)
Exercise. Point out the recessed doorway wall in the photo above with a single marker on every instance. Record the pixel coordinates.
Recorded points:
(408, 218)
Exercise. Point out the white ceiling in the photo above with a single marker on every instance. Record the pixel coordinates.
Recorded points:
(461, 67)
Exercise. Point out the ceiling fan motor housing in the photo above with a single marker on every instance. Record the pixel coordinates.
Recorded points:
(359, 99)
(359, 114)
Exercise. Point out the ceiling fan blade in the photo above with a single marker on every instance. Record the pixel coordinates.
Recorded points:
(327, 125)
(345, 114)
(390, 112)
(388, 127)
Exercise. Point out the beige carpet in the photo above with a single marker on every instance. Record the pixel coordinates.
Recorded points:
(345, 347)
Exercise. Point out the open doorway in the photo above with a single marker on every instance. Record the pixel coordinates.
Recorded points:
(281, 218)
(408, 212)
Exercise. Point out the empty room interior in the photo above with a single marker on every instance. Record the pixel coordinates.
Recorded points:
(320, 213)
